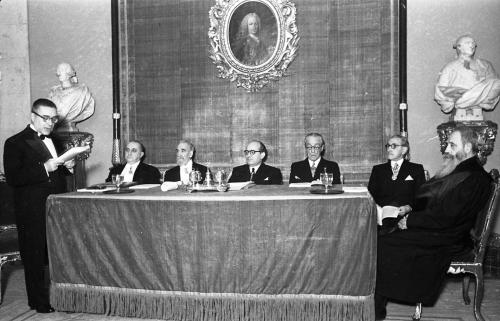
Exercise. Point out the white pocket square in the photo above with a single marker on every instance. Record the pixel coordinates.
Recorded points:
(409, 178)
(296, 177)
(266, 179)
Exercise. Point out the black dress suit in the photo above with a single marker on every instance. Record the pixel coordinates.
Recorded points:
(24, 158)
(144, 173)
(412, 263)
(174, 174)
(399, 192)
(265, 175)
(301, 171)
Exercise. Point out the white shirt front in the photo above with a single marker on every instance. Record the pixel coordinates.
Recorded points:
(184, 172)
(129, 171)
(315, 163)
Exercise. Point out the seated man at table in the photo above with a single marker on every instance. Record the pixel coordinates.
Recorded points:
(412, 261)
(395, 182)
(309, 169)
(255, 170)
(185, 164)
(135, 170)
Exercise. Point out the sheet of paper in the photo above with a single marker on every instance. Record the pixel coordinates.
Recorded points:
(385, 212)
(144, 186)
(303, 185)
(240, 185)
(73, 152)
(91, 190)
(354, 189)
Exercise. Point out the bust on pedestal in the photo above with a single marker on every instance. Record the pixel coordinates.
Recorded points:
(74, 104)
(467, 86)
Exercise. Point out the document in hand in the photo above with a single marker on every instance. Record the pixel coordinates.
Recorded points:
(73, 152)
(386, 211)
(238, 186)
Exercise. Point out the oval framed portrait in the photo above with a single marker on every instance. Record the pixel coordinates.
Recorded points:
(252, 42)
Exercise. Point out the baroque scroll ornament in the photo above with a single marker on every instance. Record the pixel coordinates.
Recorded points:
(252, 42)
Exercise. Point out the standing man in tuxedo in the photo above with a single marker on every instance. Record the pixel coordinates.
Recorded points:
(310, 168)
(185, 164)
(34, 171)
(135, 170)
(255, 169)
(396, 181)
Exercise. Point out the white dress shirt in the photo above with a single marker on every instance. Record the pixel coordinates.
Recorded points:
(184, 172)
(129, 171)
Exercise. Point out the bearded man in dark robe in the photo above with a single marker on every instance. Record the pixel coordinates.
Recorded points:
(412, 261)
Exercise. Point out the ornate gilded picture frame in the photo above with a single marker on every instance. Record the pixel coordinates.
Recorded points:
(252, 42)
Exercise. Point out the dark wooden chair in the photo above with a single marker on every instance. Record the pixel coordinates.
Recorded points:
(9, 249)
(472, 262)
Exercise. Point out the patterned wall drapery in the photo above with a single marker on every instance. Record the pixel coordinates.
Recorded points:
(343, 84)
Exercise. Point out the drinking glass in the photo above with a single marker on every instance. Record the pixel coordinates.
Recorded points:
(195, 177)
(117, 180)
(221, 177)
(326, 179)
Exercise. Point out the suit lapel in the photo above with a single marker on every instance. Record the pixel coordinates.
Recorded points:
(39, 147)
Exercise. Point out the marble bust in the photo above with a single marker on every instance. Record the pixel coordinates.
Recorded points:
(74, 101)
(467, 85)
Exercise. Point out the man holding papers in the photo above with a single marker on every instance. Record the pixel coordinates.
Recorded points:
(393, 184)
(34, 170)
(255, 170)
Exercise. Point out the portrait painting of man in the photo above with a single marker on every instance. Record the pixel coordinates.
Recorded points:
(253, 33)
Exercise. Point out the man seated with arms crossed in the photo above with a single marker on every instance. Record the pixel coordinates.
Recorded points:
(395, 182)
(412, 261)
(135, 170)
(309, 169)
(185, 164)
(255, 169)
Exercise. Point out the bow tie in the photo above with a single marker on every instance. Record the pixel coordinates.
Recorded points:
(42, 137)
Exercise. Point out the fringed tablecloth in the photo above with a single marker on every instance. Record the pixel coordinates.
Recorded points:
(268, 254)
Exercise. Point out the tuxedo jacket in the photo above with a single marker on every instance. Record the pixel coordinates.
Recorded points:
(174, 174)
(144, 173)
(301, 171)
(24, 158)
(399, 192)
(265, 175)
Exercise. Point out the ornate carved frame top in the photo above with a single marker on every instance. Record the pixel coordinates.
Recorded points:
(252, 57)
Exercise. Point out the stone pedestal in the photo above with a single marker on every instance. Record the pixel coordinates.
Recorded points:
(71, 139)
(487, 131)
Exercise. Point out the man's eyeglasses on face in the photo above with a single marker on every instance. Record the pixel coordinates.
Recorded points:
(251, 152)
(313, 148)
(46, 119)
(392, 146)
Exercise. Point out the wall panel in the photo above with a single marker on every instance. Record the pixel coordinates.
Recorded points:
(342, 84)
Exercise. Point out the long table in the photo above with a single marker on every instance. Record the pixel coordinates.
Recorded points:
(268, 253)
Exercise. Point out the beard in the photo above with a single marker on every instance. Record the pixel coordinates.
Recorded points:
(450, 162)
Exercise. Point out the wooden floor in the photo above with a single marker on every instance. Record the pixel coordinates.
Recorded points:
(449, 307)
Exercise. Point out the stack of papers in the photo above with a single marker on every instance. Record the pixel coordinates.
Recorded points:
(240, 186)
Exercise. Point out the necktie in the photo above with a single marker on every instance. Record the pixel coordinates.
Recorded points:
(130, 170)
(313, 170)
(252, 174)
(395, 170)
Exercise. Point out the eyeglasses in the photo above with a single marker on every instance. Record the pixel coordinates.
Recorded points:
(53, 120)
(251, 152)
(313, 148)
(393, 146)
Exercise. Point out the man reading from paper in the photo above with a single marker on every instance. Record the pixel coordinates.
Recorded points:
(35, 170)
